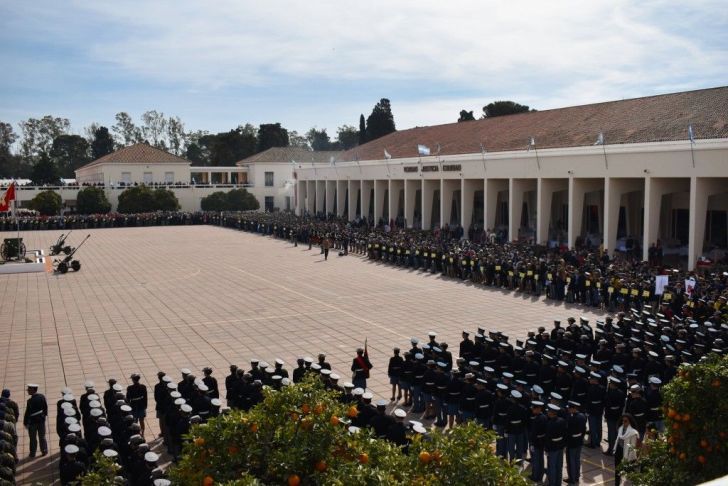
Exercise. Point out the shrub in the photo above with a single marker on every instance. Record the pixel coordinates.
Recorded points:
(47, 203)
(141, 199)
(101, 473)
(234, 200)
(299, 434)
(92, 200)
(693, 449)
(165, 200)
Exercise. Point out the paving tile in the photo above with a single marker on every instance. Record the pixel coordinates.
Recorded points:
(173, 297)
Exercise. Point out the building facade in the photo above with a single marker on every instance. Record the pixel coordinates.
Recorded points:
(623, 174)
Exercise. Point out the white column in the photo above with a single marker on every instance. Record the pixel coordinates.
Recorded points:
(467, 195)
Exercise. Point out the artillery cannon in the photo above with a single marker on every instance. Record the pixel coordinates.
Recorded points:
(60, 246)
(62, 266)
(12, 249)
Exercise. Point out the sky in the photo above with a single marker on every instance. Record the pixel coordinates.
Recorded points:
(218, 64)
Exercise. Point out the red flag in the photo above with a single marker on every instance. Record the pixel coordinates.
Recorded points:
(7, 197)
(366, 351)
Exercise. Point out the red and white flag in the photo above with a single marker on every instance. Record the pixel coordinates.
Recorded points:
(7, 197)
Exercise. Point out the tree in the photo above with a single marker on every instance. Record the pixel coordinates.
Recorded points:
(228, 148)
(234, 200)
(466, 116)
(69, 152)
(8, 162)
(165, 200)
(362, 130)
(103, 143)
(318, 139)
(176, 135)
(693, 449)
(38, 135)
(7, 136)
(47, 203)
(347, 136)
(89, 132)
(241, 200)
(92, 200)
(125, 131)
(154, 128)
(272, 135)
(501, 108)
(44, 171)
(296, 140)
(300, 435)
(137, 199)
(381, 121)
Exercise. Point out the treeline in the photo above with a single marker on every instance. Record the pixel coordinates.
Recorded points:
(44, 149)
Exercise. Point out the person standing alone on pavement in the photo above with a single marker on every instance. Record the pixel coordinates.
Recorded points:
(34, 420)
(325, 246)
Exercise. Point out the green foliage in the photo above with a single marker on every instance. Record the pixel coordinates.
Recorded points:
(224, 148)
(501, 108)
(381, 121)
(234, 200)
(47, 203)
(101, 473)
(44, 171)
(272, 135)
(301, 431)
(347, 136)
(92, 200)
(696, 417)
(165, 200)
(318, 139)
(137, 199)
(102, 144)
(69, 152)
(466, 116)
(362, 130)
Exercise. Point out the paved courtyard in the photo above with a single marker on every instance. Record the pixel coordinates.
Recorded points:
(165, 298)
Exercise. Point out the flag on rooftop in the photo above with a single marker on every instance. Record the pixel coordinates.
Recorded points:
(691, 134)
(600, 139)
(387, 155)
(531, 143)
(423, 149)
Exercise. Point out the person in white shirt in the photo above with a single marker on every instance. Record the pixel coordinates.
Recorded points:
(625, 447)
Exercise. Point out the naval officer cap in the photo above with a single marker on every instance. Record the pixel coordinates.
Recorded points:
(110, 453)
(71, 449)
(151, 457)
(399, 413)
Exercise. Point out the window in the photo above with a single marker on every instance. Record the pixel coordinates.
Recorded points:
(169, 177)
(269, 203)
(269, 179)
(288, 203)
(126, 177)
(147, 178)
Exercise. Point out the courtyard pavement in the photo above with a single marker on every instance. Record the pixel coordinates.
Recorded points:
(165, 298)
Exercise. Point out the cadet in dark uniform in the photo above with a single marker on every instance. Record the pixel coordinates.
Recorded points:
(613, 408)
(160, 399)
(595, 409)
(537, 439)
(556, 430)
(576, 426)
(381, 422)
(136, 397)
(300, 371)
(71, 468)
(211, 383)
(360, 367)
(34, 420)
(394, 370)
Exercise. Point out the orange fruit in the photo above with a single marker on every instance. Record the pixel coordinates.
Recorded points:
(703, 443)
(306, 424)
(352, 412)
(364, 458)
(686, 417)
(199, 441)
(675, 426)
(701, 459)
(671, 413)
(425, 457)
(436, 456)
(254, 428)
(232, 450)
(716, 383)
(207, 481)
(318, 409)
(305, 408)
(334, 420)
(294, 480)
(320, 466)
(682, 456)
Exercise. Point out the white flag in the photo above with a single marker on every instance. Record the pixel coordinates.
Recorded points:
(423, 150)
(531, 143)
(600, 139)
(691, 134)
(660, 284)
(387, 155)
(332, 161)
(438, 149)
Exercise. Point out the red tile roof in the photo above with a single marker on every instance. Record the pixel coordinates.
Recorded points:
(288, 154)
(649, 119)
(140, 153)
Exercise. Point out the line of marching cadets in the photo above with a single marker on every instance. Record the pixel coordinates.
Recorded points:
(547, 394)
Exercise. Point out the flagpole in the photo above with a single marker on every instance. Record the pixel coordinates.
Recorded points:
(17, 220)
(691, 136)
(482, 153)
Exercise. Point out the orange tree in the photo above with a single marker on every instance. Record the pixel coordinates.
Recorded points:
(299, 435)
(694, 448)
